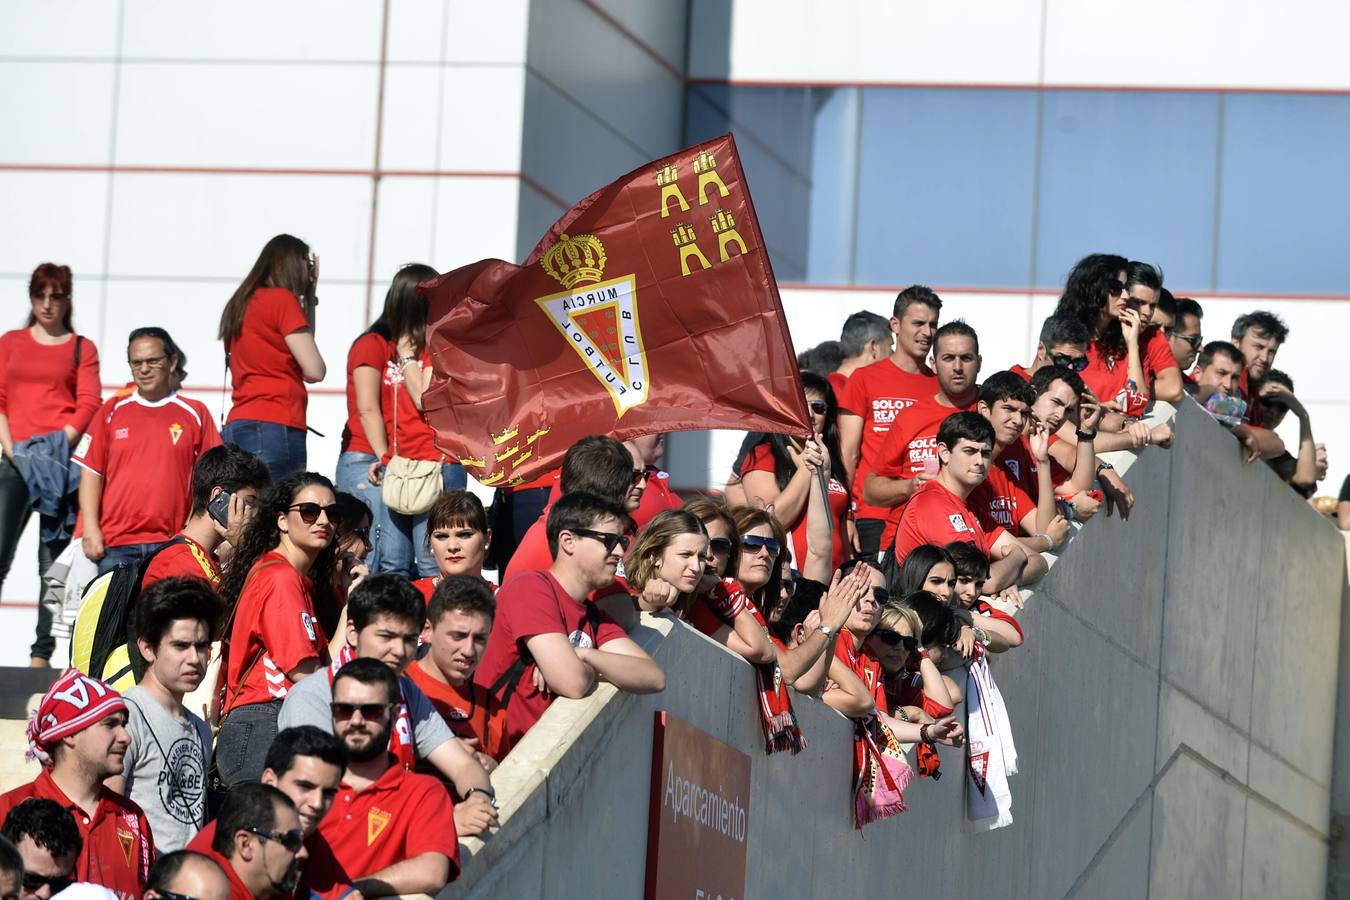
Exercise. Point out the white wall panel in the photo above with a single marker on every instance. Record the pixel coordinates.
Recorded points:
(482, 118)
(58, 28)
(494, 32)
(280, 116)
(346, 30)
(412, 98)
(53, 216)
(55, 112)
(475, 219)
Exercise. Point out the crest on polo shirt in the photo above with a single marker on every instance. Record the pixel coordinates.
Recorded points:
(376, 821)
(598, 319)
(128, 841)
(120, 434)
(958, 522)
(175, 432)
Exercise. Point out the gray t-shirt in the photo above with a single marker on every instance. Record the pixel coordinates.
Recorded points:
(165, 768)
(307, 703)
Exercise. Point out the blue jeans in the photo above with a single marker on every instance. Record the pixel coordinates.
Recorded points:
(401, 540)
(134, 554)
(280, 447)
(353, 471)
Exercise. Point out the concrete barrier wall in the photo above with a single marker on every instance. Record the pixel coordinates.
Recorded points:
(1173, 711)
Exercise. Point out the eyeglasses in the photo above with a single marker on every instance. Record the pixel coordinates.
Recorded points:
(309, 512)
(1073, 363)
(292, 840)
(640, 476)
(754, 543)
(608, 538)
(33, 882)
(55, 298)
(1115, 288)
(819, 407)
(1195, 340)
(152, 362)
(371, 711)
(891, 638)
(720, 545)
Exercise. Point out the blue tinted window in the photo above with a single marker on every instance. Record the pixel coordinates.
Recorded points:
(1127, 173)
(834, 182)
(1285, 194)
(946, 187)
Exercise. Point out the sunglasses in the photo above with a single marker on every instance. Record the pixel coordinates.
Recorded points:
(1072, 363)
(309, 512)
(891, 638)
(1115, 288)
(173, 895)
(1195, 340)
(754, 542)
(881, 595)
(608, 538)
(57, 298)
(819, 407)
(292, 840)
(362, 533)
(720, 545)
(369, 711)
(640, 476)
(33, 882)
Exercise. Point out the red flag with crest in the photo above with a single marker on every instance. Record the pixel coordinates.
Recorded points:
(648, 307)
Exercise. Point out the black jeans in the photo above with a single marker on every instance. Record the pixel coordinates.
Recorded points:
(14, 512)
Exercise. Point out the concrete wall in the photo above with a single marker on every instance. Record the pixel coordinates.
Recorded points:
(1172, 711)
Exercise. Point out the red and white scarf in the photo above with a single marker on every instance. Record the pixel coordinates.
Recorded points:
(991, 755)
(401, 735)
(776, 714)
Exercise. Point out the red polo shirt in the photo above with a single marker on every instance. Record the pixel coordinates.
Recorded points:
(118, 846)
(934, 515)
(320, 856)
(400, 816)
(878, 393)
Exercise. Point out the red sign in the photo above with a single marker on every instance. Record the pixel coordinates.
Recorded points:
(699, 818)
(648, 307)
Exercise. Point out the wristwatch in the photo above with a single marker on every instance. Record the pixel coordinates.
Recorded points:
(491, 797)
(1105, 466)
(1086, 435)
(825, 630)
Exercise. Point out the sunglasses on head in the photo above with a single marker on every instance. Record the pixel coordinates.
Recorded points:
(309, 512)
(1072, 363)
(33, 882)
(754, 542)
(608, 538)
(372, 711)
(720, 545)
(819, 407)
(891, 638)
(292, 840)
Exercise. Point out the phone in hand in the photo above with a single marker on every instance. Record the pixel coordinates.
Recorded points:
(219, 508)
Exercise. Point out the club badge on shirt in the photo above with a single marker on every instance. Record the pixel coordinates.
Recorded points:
(121, 434)
(376, 821)
(958, 522)
(308, 621)
(128, 841)
(175, 432)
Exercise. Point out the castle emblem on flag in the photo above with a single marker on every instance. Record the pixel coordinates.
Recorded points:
(598, 319)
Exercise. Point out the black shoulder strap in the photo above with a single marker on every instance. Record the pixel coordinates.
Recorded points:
(79, 350)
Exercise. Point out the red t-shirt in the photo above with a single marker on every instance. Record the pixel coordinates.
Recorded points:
(1106, 377)
(41, 389)
(144, 452)
(275, 616)
(469, 711)
(1000, 502)
(188, 559)
(400, 816)
(911, 441)
(320, 859)
(1020, 463)
(934, 515)
(878, 393)
(404, 423)
(530, 604)
(1254, 415)
(532, 552)
(265, 377)
(838, 382)
(118, 846)
(368, 350)
(1021, 372)
(863, 665)
(657, 498)
(760, 459)
(982, 608)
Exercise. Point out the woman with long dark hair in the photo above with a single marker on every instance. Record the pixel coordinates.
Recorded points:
(772, 475)
(268, 330)
(274, 637)
(49, 384)
(401, 534)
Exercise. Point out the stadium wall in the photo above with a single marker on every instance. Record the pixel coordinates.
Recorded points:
(1171, 710)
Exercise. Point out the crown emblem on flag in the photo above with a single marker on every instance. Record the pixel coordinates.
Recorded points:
(573, 260)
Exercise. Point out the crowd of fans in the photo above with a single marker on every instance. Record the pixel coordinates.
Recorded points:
(368, 678)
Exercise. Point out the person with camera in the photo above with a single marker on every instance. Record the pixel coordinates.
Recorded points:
(268, 330)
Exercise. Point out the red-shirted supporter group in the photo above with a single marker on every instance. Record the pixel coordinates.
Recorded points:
(364, 677)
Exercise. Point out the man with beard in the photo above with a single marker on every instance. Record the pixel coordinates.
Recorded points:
(79, 735)
(258, 842)
(393, 830)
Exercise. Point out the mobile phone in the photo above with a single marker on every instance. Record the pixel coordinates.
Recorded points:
(219, 508)
(1132, 303)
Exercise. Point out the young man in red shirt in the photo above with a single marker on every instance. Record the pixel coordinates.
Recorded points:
(908, 455)
(1063, 342)
(875, 394)
(459, 619)
(1258, 336)
(258, 843)
(48, 843)
(549, 640)
(938, 512)
(223, 469)
(79, 734)
(1180, 321)
(865, 338)
(597, 465)
(138, 456)
(393, 831)
(656, 494)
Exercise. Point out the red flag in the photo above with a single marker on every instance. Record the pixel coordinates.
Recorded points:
(648, 307)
